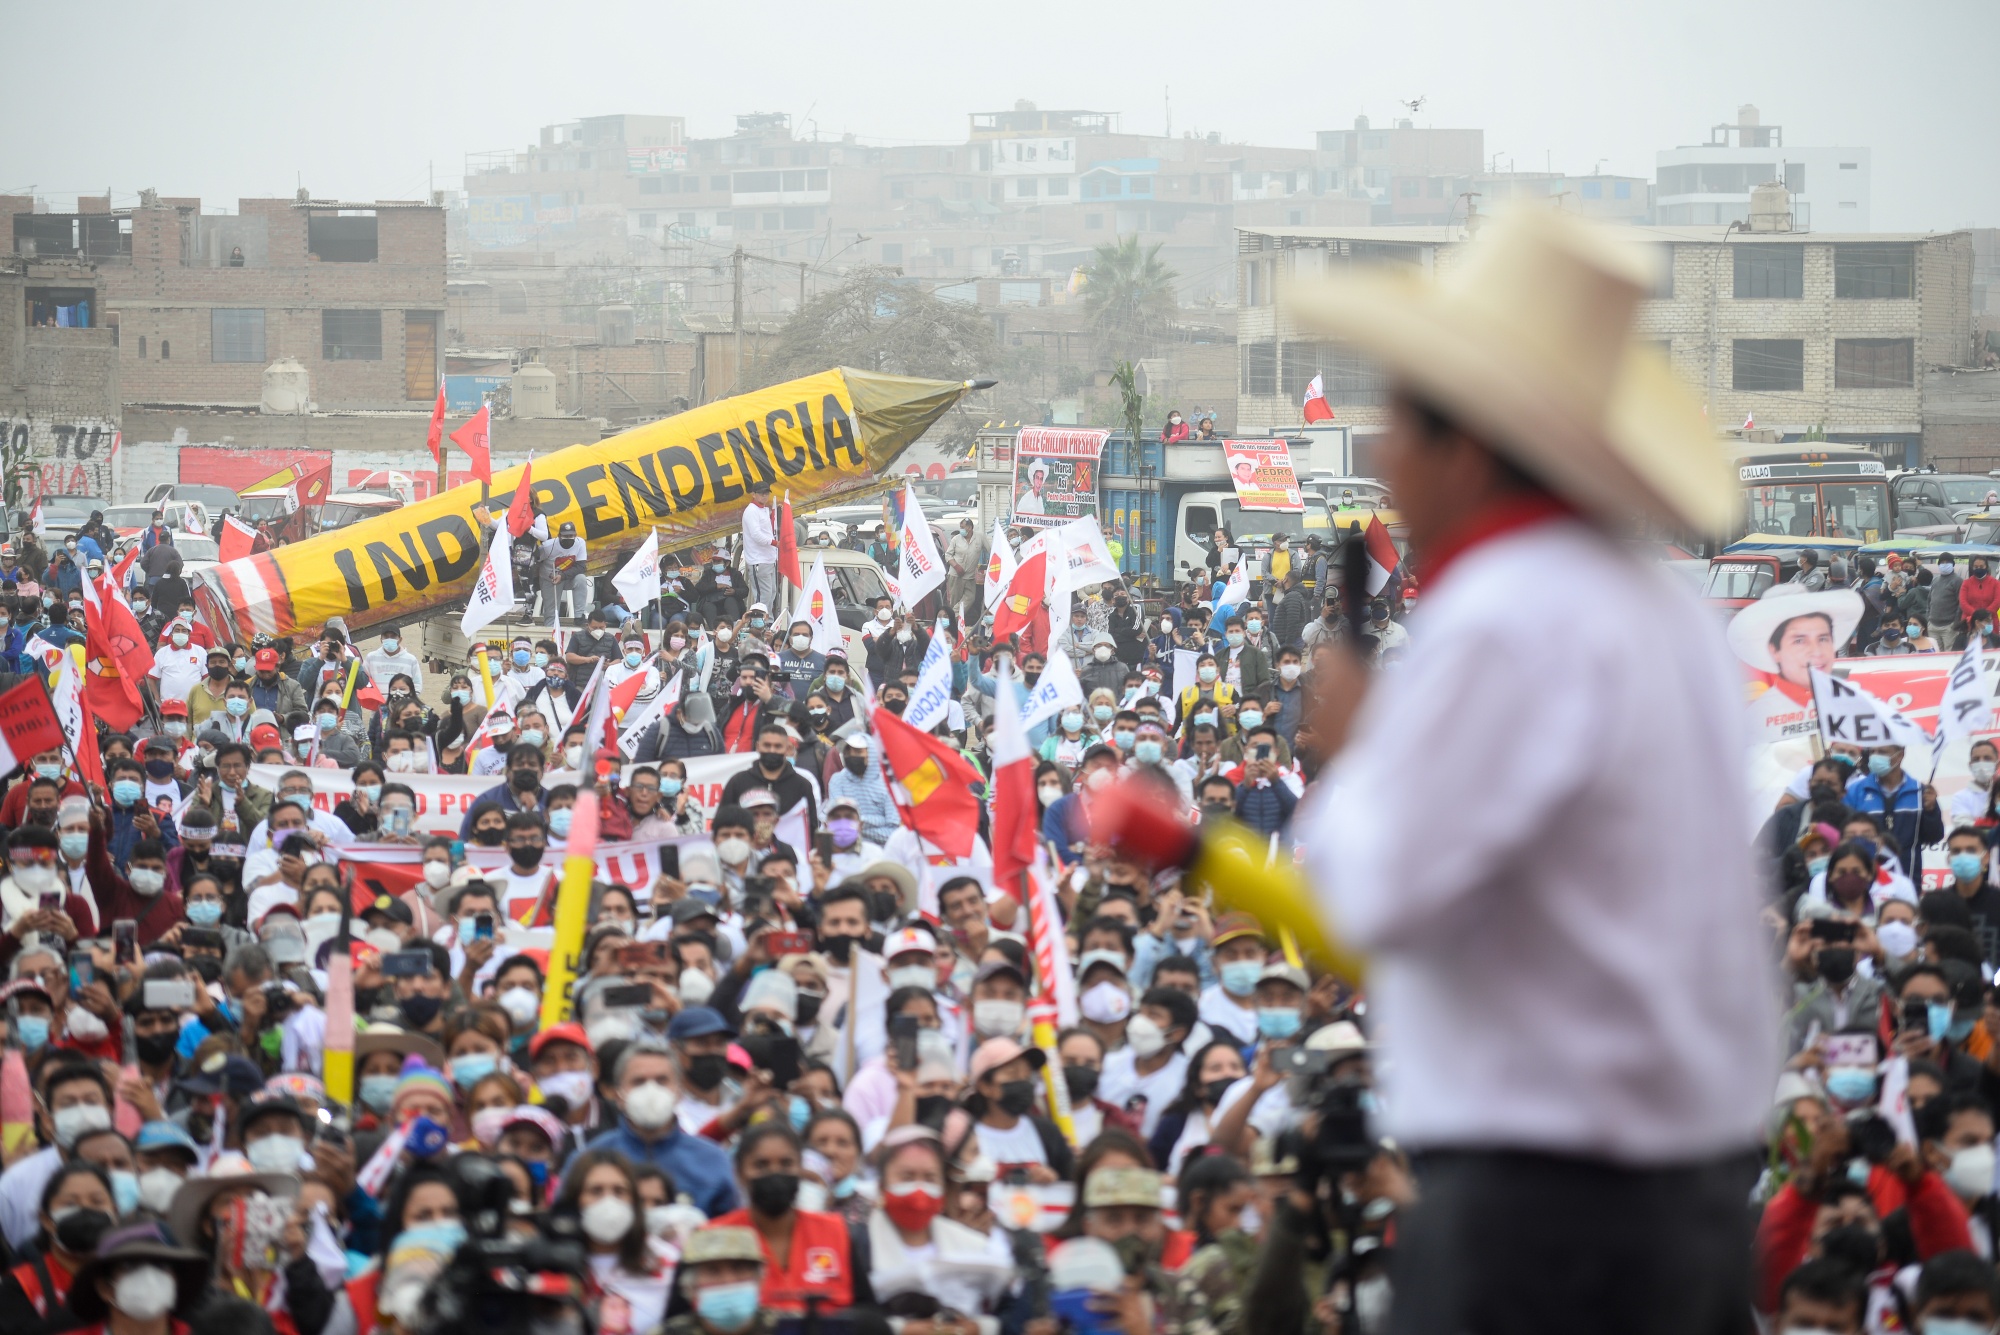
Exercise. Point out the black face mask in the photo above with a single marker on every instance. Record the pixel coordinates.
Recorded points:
(208, 966)
(706, 1071)
(523, 780)
(840, 947)
(896, 706)
(78, 1233)
(160, 769)
(1979, 572)
(932, 1109)
(489, 838)
(882, 905)
(772, 1194)
(1212, 809)
(157, 1049)
(1824, 792)
(808, 1007)
(1855, 1246)
(1213, 1090)
(526, 856)
(1016, 1096)
(1082, 1082)
(818, 716)
(1031, 677)
(1836, 963)
(857, 765)
(420, 1010)
(771, 764)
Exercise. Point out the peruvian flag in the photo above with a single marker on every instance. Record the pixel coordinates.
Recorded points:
(118, 657)
(932, 786)
(521, 510)
(1000, 564)
(656, 710)
(788, 546)
(1026, 599)
(237, 539)
(1750, 420)
(1315, 406)
(36, 524)
(437, 428)
(28, 725)
(1016, 821)
(1382, 555)
(474, 439)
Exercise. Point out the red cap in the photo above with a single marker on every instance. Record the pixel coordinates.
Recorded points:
(266, 659)
(179, 707)
(266, 736)
(1138, 822)
(568, 1032)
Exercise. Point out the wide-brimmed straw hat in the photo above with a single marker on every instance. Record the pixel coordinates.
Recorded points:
(1751, 629)
(1526, 341)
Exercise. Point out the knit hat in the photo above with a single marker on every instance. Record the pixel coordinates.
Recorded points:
(417, 1076)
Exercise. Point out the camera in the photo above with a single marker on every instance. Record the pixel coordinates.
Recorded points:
(503, 1281)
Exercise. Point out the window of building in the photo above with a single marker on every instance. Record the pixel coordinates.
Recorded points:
(166, 350)
(350, 336)
(1874, 272)
(341, 238)
(1874, 363)
(1412, 187)
(1770, 271)
(1768, 364)
(1437, 187)
(1024, 188)
(774, 220)
(1621, 190)
(718, 183)
(1139, 185)
(1346, 378)
(512, 298)
(648, 221)
(757, 183)
(61, 307)
(799, 220)
(1059, 186)
(1850, 166)
(1593, 190)
(1295, 217)
(652, 185)
(1260, 368)
(1663, 285)
(142, 347)
(892, 252)
(583, 161)
(1795, 177)
(236, 336)
(801, 157)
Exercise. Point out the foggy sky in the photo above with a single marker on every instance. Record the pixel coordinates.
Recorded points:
(365, 100)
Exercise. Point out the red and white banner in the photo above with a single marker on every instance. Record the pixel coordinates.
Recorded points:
(443, 800)
(396, 869)
(1262, 473)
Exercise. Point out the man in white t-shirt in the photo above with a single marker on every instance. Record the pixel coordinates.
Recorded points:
(1238, 951)
(179, 664)
(1150, 1071)
(760, 545)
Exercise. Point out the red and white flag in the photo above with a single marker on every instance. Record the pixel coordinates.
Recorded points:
(1315, 407)
(1048, 944)
(28, 724)
(639, 578)
(1016, 818)
(655, 710)
(236, 540)
(493, 594)
(36, 524)
(118, 657)
(1000, 565)
(436, 438)
(1383, 557)
(475, 440)
(815, 607)
(1026, 599)
(1750, 420)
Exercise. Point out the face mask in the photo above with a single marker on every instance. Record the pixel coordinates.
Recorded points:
(1239, 977)
(242, 665)
(157, 1187)
(1968, 866)
(1049, 792)
(1016, 1096)
(836, 682)
(572, 1087)
(327, 722)
(1235, 638)
(80, 1120)
(774, 1193)
(650, 1106)
(75, 846)
(377, 1090)
(913, 975)
(884, 616)
(1878, 764)
(1102, 653)
(994, 1018)
(470, 1069)
(1207, 674)
(1817, 866)
(522, 658)
(180, 638)
(1081, 1081)
(632, 660)
(1971, 1174)
(1125, 739)
(1836, 964)
(1145, 1036)
(728, 1306)
(1106, 1003)
(913, 1205)
(47, 770)
(1253, 625)
(521, 1005)
(1938, 1019)
(1166, 625)
(462, 696)
(1851, 1085)
(275, 1154)
(524, 780)
(146, 881)
(126, 791)
(1288, 672)
(145, 1293)
(1899, 939)
(1072, 721)
(33, 1031)
(205, 912)
(1250, 718)
(607, 1219)
(1278, 1021)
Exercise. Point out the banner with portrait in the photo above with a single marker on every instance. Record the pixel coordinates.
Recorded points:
(1262, 473)
(1055, 475)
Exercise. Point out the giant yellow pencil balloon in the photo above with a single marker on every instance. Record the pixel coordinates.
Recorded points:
(817, 439)
(572, 909)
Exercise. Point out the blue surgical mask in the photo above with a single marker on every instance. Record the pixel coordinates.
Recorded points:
(1878, 764)
(522, 658)
(237, 706)
(669, 787)
(1239, 977)
(242, 665)
(327, 722)
(371, 791)
(633, 659)
(462, 696)
(443, 1236)
(474, 1067)
(559, 822)
(1959, 1029)
(1103, 713)
(46, 770)
(1278, 1021)
(801, 1112)
(533, 736)
(541, 658)
(1817, 866)
(75, 846)
(728, 1306)
(377, 1090)
(127, 791)
(125, 1190)
(1125, 738)
(1939, 1017)
(1072, 721)
(33, 1031)
(1147, 752)
(205, 912)
(1965, 866)
(1850, 1084)
(1250, 718)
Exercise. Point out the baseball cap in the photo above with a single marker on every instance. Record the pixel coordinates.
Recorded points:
(722, 1242)
(1279, 971)
(997, 969)
(1230, 926)
(567, 1032)
(266, 659)
(173, 708)
(1122, 1186)
(697, 1022)
(909, 940)
(997, 1052)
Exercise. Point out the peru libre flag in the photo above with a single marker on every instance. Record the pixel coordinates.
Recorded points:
(473, 438)
(1382, 556)
(1315, 406)
(118, 659)
(1026, 597)
(436, 439)
(1016, 821)
(932, 786)
(788, 546)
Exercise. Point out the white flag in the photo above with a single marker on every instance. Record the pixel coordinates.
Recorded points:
(1087, 555)
(493, 595)
(1847, 713)
(639, 580)
(1967, 706)
(1056, 687)
(1237, 591)
(921, 568)
(931, 700)
(1000, 565)
(815, 608)
(653, 711)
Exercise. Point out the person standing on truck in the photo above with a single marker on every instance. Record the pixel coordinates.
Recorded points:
(561, 569)
(1810, 577)
(760, 545)
(1944, 615)
(961, 559)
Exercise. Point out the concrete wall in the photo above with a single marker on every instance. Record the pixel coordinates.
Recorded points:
(58, 387)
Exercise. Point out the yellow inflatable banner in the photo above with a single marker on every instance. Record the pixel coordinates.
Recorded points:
(817, 440)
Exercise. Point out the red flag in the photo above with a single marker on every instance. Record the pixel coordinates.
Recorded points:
(1025, 599)
(118, 572)
(621, 697)
(1316, 408)
(788, 546)
(89, 757)
(473, 439)
(237, 538)
(28, 724)
(520, 511)
(117, 658)
(934, 784)
(1383, 557)
(437, 428)
(1017, 823)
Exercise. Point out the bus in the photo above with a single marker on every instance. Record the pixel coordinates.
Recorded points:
(1813, 489)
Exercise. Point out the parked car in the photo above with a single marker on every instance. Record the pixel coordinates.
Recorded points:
(350, 507)
(216, 498)
(1924, 499)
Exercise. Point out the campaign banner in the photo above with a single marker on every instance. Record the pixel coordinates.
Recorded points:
(444, 800)
(1055, 474)
(636, 866)
(1262, 473)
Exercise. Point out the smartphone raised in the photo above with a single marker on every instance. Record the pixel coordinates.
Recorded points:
(125, 941)
(628, 996)
(780, 944)
(406, 964)
(1832, 929)
(903, 1037)
(482, 926)
(161, 994)
(641, 955)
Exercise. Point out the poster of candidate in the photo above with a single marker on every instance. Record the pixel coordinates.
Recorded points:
(1262, 473)
(1055, 475)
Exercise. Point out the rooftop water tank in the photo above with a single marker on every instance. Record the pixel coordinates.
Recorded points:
(535, 391)
(1771, 208)
(614, 325)
(287, 389)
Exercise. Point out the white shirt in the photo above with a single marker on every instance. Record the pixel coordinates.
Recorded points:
(21, 1194)
(1124, 1088)
(1223, 1012)
(179, 669)
(760, 543)
(1968, 804)
(1555, 976)
(1019, 1144)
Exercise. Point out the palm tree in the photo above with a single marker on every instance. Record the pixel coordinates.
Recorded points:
(1129, 294)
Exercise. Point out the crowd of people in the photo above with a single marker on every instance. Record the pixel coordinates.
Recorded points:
(799, 1066)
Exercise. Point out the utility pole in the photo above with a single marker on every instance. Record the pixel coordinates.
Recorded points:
(802, 284)
(736, 318)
